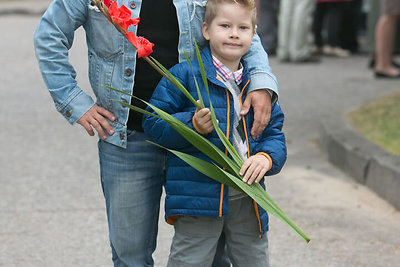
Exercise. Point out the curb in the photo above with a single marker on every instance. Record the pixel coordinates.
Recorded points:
(363, 160)
(21, 11)
(28, 8)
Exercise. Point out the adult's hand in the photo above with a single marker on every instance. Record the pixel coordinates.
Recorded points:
(95, 118)
(260, 100)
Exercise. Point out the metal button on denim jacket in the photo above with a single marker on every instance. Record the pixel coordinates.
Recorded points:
(112, 58)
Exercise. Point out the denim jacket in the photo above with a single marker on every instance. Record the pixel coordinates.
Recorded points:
(112, 58)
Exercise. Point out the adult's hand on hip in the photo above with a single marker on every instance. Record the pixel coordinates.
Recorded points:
(260, 100)
(95, 118)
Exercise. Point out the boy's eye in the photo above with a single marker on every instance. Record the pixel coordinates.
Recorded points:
(224, 25)
(244, 27)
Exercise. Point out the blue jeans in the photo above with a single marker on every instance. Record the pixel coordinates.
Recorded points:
(132, 182)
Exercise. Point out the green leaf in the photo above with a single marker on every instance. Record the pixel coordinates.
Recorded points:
(230, 177)
(255, 191)
(201, 65)
(195, 80)
(116, 90)
(177, 83)
(202, 166)
(198, 141)
(220, 133)
(135, 108)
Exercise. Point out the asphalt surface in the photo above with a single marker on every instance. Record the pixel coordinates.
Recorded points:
(52, 211)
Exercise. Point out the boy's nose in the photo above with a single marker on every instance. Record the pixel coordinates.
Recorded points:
(234, 32)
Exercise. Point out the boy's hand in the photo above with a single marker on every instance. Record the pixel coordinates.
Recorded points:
(254, 169)
(260, 100)
(202, 120)
(95, 117)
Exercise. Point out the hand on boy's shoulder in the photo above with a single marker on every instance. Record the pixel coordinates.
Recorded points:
(260, 101)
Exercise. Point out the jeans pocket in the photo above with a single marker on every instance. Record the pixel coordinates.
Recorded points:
(130, 133)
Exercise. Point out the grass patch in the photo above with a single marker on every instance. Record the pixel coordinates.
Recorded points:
(379, 121)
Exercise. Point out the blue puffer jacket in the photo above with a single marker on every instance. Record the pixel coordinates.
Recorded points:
(188, 192)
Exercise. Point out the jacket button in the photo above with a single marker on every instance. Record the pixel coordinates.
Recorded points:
(121, 136)
(128, 72)
(68, 113)
(133, 5)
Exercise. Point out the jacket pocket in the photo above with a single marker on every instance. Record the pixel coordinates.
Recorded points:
(103, 38)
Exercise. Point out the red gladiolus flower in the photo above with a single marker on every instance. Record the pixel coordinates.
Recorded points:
(122, 16)
(107, 2)
(143, 46)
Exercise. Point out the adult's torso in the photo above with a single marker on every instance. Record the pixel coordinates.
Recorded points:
(112, 59)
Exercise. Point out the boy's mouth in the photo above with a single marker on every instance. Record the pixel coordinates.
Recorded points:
(233, 44)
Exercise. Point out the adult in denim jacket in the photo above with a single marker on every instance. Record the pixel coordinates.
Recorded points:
(131, 170)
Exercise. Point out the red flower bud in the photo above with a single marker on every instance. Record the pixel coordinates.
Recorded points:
(122, 16)
(107, 3)
(143, 46)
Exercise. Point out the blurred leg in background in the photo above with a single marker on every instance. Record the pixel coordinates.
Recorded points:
(350, 26)
(318, 25)
(268, 24)
(384, 40)
(294, 27)
(335, 11)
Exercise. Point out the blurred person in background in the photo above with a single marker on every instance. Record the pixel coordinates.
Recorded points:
(384, 40)
(332, 11)
(293, 31)
(373, 11)
(351, 25)
(268, 24)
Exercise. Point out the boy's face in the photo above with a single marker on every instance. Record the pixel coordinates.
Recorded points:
(230, 33)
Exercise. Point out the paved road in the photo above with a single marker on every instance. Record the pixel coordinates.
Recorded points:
(52, 210)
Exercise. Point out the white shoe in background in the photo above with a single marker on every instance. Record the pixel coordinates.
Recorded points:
(335, 51)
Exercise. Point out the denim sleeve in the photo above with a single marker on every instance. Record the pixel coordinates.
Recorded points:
(53, 38)
(260, 71)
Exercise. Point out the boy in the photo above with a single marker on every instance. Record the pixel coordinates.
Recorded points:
(196, 204)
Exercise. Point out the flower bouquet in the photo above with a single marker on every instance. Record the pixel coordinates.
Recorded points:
(225, 166)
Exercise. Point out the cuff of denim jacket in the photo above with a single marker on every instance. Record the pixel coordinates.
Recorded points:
(263, 80)
(77, 105)
(196, 127)
(268, 157)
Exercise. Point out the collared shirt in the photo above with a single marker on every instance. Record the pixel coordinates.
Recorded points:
(224, 73)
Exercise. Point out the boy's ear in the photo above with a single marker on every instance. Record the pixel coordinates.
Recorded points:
(204, 29)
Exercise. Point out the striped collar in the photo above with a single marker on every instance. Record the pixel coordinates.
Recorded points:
(223, 73)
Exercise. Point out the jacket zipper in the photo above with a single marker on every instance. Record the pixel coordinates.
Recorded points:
(228, 123)
(248, 155)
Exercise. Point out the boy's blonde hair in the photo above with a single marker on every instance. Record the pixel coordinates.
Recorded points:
(212, 9)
